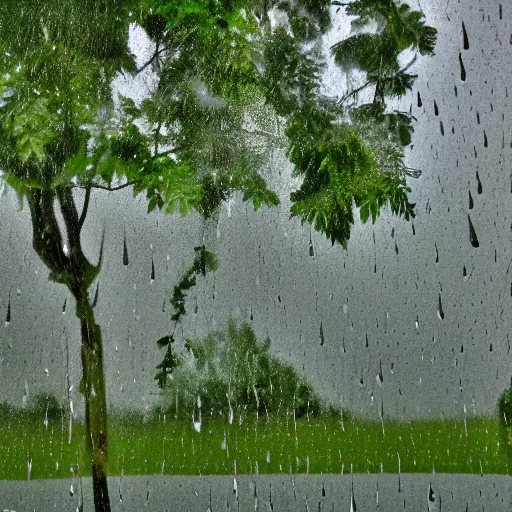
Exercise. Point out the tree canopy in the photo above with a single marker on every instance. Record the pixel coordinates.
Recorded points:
(227, 72)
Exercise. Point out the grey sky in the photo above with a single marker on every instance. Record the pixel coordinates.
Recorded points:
(430, 367)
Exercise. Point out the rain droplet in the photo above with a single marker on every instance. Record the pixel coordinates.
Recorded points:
(440, 313)
(64, 307)
(432, 500)
(380, 375)
(353, 507)
(436, 109)
(152, 278)
(462, 69)
(465, 37)
(125, 252)
(311, 249)
(470, 201)
(8, 316)
(441, 127)
(322, 340)
(95, 301)
(479, 189)
(419, 100)
(472, 234)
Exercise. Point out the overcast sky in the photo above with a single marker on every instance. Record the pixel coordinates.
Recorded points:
(377, 302)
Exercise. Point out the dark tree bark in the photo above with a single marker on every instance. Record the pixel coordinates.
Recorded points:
(77, 273)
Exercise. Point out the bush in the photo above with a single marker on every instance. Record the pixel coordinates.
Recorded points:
(47, 405)
(505, 407)
(233, 368)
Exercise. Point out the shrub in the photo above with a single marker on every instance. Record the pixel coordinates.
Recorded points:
(47, 405)
(233, 369)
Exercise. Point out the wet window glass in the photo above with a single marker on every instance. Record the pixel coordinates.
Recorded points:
(255, 255)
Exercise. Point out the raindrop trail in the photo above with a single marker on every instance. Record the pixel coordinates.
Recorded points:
(8, 316)
(472, 234)
(462, 69)
(125, 252)
(95, 300)
(465, 37)
(440, 312)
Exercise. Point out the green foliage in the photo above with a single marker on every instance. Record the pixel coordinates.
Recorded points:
(505, 419)
(223, 73)
(400, 28)
(505, 407)
(232, 373)
(204, 261)
(46, 405)
(358, 160)
(170, 361)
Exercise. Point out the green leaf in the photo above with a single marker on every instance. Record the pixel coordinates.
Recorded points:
(163, 342)
(129, 108)
(364, 212)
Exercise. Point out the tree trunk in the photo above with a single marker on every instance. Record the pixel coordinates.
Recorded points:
(93, 389)
(77, 273)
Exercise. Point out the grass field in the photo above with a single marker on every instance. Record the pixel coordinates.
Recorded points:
(319, 445)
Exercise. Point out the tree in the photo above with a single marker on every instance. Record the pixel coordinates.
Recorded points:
(223, 71)
(232, 373)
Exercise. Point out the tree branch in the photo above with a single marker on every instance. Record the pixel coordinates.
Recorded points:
(403, 70)
(351, 93)
(110, 189)
(150, 61)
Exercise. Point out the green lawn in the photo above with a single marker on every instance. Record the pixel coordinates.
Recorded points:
(318, 445)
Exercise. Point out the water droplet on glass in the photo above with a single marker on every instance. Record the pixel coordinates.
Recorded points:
(472, 234)
(125, 252)
(8, 316)
(432, 501)
(95, 300)
(465, 37)
(462, 69)
(440, 313)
